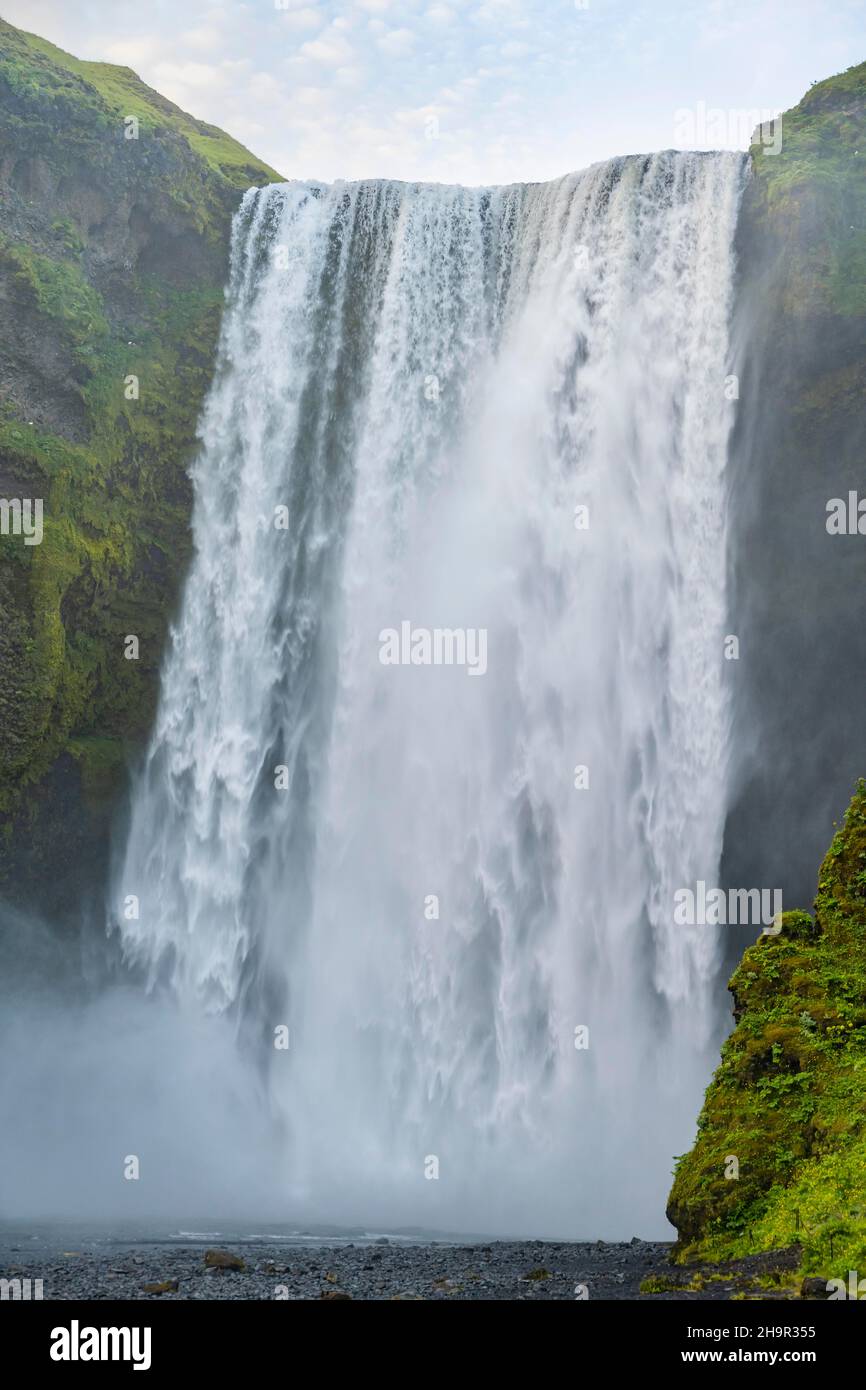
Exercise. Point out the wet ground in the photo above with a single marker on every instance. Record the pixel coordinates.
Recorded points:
(74, 1263)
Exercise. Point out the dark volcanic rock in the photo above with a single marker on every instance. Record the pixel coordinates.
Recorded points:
(223, 1259)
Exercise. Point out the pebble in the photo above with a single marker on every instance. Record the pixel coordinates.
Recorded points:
(384, 1270)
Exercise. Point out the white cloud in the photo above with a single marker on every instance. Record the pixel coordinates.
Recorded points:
(329, 48)
(397, 42)
(316, 98)
(418, 116)
(236, 67)
(198, 76)
(134, 52)
(440, 14)
(349, 76)
(204, 39)
(264, 86)
(303, 19)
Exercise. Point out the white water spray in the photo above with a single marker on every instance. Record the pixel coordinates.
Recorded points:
(417, 387)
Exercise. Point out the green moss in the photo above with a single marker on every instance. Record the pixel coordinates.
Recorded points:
(660, 1283)
(60, 291)
(113, 258)
(814, 191)
(35, 69)
(788, 1101)
(67, 236)
(102, 763)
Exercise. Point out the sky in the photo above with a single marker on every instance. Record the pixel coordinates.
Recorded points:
(465, 91)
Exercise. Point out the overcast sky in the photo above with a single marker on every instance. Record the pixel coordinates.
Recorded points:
(468, 91)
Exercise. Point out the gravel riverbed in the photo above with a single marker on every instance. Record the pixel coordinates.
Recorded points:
(81, 1263)
(380, 1269)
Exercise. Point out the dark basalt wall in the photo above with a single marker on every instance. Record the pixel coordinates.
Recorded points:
(798, 593)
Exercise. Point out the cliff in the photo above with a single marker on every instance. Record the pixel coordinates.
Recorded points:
(115, 212)
(788, 1101)
(799, 440)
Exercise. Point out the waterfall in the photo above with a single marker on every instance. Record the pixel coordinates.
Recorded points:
(454, 422)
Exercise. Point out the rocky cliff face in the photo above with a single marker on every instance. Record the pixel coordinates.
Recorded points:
(115, 211)
(800, 440)
(780, 1156)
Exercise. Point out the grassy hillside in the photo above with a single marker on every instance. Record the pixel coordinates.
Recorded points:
(814, 194)
(106, 94)
(113, 257)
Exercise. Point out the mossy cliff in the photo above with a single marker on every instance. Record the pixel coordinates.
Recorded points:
(114, 237)
(780, 1157)
(810, 194)
(799, 441)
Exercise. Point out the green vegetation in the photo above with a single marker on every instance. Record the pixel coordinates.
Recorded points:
(789, 1099)
(101, 95)
(113, 256)
(59, 291)
(814, 191)
(659, 1283)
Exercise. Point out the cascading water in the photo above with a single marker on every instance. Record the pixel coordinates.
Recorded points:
(419, 390)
